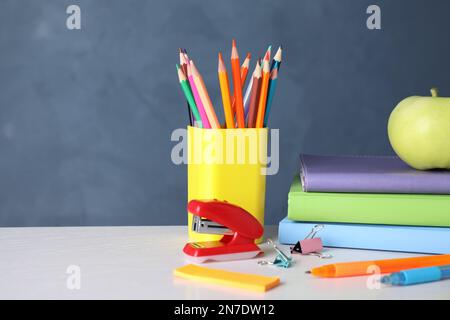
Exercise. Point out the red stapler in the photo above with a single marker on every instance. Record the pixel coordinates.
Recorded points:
(239, 227)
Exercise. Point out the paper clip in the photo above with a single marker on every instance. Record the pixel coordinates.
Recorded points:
(281, 260)
(311, 245)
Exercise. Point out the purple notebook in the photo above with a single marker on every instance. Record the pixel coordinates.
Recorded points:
(372, 174)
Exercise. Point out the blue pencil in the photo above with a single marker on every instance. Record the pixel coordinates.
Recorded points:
(276, 62)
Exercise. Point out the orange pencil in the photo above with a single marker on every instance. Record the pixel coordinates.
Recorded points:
(244, 73)
(263, 94)
(244, 68)
(225, 90)
(204, 96)
(237, 86)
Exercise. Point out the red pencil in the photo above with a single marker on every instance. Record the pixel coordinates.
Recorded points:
(254, 97)
(237, 86)
(244, 73)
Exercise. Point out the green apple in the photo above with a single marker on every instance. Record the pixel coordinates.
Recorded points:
(419, 131)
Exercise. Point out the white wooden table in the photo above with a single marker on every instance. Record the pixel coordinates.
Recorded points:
(137, 263)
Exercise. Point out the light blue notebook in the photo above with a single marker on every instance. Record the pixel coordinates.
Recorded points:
(373, 237)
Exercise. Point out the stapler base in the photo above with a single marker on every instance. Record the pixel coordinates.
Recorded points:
(224, 257)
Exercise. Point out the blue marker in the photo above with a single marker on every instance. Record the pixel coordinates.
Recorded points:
(416, 276)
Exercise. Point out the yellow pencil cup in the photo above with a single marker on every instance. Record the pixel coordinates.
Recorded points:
(227, 164)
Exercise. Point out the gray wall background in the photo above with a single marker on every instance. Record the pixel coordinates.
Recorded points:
(86, 116)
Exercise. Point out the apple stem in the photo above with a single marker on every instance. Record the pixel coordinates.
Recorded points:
(434, 92)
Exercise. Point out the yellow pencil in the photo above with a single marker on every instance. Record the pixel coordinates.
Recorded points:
(225, 90)
(204, 96)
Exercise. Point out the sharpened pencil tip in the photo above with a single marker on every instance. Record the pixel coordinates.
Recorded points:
(234, 51)
(233, 43)
(308, 272)
(221, 64)
(249, 55)
(278, 54)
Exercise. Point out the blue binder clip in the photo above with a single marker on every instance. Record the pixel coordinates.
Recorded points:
(281, 260)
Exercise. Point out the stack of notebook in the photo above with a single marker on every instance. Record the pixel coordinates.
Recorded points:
(369, 203)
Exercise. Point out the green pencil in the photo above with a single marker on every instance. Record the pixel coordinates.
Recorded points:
(189, 97)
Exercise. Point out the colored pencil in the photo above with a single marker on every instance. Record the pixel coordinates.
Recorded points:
(183, 62)
(241, 109)
(237, 86)
(247, 97)
(248, 91)
(225, 90)
(198, 100)
(268, 52)
(191, 123)
(254, 96)
(186, 57)
(204, 96)
(188, 94)
(183, 66)
(276, 62)
(244, 72)
(272, 88)
(247, 102)
(244, 68)
(263, 94)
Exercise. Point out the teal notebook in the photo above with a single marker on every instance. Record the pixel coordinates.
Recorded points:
(371, 208)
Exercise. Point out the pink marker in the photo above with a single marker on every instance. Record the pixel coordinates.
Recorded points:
(198, 101)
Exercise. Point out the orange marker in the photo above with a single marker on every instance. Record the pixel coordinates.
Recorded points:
(237, 86)
(225, 90)
(362, 268)
(264, 89)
